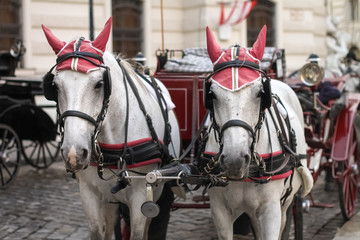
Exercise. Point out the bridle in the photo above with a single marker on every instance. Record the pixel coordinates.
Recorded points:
(266, 101)
(50, 92)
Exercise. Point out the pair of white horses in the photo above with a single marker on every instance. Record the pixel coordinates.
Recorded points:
(79, 89)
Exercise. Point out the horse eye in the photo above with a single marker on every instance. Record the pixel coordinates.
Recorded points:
(99, 84)
(54, 86)
(211, 95)
(260, 94)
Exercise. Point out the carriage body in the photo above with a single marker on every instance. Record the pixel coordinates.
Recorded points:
(186, 90)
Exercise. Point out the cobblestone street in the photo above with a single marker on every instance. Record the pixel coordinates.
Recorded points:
(45, 204)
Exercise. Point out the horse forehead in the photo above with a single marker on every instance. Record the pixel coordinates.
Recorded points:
(235, 78)
(239, 100)
(251, 85)
(237, 52)
(74, 78)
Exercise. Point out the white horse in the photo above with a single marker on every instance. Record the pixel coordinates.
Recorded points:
(234, 94)
(82, 88)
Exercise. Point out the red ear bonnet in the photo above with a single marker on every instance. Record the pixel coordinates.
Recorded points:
(102, 39)
(259, 46)
(98, 46)
(213, 48)
(54, 42)
(235, 78)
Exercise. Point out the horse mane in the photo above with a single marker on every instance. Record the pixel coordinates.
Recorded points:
(129, 68)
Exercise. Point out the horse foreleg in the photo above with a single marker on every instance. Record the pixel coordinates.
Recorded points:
(101, 215)
(267, 221)
(222, 218)
(139, 224)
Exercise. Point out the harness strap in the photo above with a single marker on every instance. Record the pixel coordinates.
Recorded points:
(141, 104)
(83, 55)
(284, 139)
(235, 63)
(74, 113)
(164, 112)
(134, 154)
(236, 123)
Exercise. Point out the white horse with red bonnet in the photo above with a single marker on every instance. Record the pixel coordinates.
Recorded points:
(106, 108)
(248, 113)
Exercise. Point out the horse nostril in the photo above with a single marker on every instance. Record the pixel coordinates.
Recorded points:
(247, 158)
(85, 153)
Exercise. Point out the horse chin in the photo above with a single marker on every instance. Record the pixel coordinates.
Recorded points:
(236, 175)
(75, 168)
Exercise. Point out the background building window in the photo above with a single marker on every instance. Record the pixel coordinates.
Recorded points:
(352, 10)
(127, 27)
(9, 23)
(262, 14)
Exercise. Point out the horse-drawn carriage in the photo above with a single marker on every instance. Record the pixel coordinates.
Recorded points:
(26, 129)
(127, 136)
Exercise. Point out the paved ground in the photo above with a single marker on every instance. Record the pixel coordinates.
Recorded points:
(45, 204)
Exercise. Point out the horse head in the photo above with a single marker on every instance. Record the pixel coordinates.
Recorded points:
(81, 87)
(235, 90)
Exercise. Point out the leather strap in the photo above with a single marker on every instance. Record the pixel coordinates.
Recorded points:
(74, 113)
(236, 123)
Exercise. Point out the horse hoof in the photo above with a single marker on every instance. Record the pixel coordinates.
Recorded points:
(150, 209)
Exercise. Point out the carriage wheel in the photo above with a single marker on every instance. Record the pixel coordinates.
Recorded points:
(9, 155)
(40, 154)
(348, 184)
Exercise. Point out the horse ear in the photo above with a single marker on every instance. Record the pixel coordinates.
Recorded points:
(259, 45)
(102, 39)
(213, 48)
(54, 42)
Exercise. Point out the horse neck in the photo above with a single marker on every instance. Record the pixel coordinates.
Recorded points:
(113, 131)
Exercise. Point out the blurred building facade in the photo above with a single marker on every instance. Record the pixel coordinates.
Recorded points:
(298, 26)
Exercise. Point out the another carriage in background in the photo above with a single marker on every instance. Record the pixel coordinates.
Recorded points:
(332, 129)
(26, 129)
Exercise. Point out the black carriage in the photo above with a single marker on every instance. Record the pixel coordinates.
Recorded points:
(26, 129)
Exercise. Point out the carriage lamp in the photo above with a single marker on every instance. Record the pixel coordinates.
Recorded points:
(311, 74)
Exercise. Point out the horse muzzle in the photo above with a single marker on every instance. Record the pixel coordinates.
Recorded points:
(75, 160)
(236, 168)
